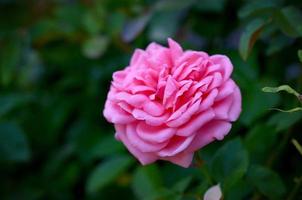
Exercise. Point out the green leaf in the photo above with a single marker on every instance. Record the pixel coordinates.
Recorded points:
(134, 27)
(175, 5)
(9, 102)
(282, 121)
(256, 8)
(13, 145)
(164, 24)
(300, 55)
(256, 103)
(257, 151)
(266, 181)
(95, 47)
(106, 172)
(181, 185)
(229, 164)
(285, 88)
(297, 145)
(211, 5)
(249, 36)
(147, 183)
(289, 21)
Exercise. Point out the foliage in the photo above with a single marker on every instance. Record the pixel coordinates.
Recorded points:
(56, 62)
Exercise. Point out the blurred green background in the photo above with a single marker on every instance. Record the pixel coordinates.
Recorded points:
(56, 62)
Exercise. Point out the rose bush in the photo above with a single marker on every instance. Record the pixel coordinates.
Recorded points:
(168, 103)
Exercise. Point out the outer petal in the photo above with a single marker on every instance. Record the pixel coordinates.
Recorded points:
(114, 114)
(181, 159)
(225, 64)
(192, 126)
(176, 145)
(175, 49)
(208, 133)
(139, 143)
(236, 106)
(144, 158)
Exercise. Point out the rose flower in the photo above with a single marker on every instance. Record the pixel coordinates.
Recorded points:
(169, 103)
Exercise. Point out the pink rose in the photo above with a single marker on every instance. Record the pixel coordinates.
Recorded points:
(169, 103)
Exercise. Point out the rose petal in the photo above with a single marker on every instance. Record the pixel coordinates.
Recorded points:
(176, 145)
(141, 144)
(144, 157)
(181, 159)
(154, 133)
(208, 133)
(225, 64)
(196, 123)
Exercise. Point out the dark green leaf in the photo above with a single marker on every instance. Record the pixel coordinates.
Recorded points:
(147, 183)
(257, 8)
(106, 172)
(249, 36)
(211, 5)
(289, 21)
(229, 163)
(282, 121)
(257, 151)
(13, 145)
(267, 182)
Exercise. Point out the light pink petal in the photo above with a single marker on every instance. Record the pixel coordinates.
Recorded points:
(235, 110)
(225, 63)
(139, 143)
(191, 56)
(209, 100)
(208, 133)
(135, 100)
(172, 87)
(176, 145)
(115, 114)
(154, 133)
(137, 56)
(175, 49)
(151, 120)
(186, 116)
(217, 81)
(226, 89)
(181, 159)
(153, 108)
(144, 158)
(213, 193)
(222, 108)
(193, 125)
